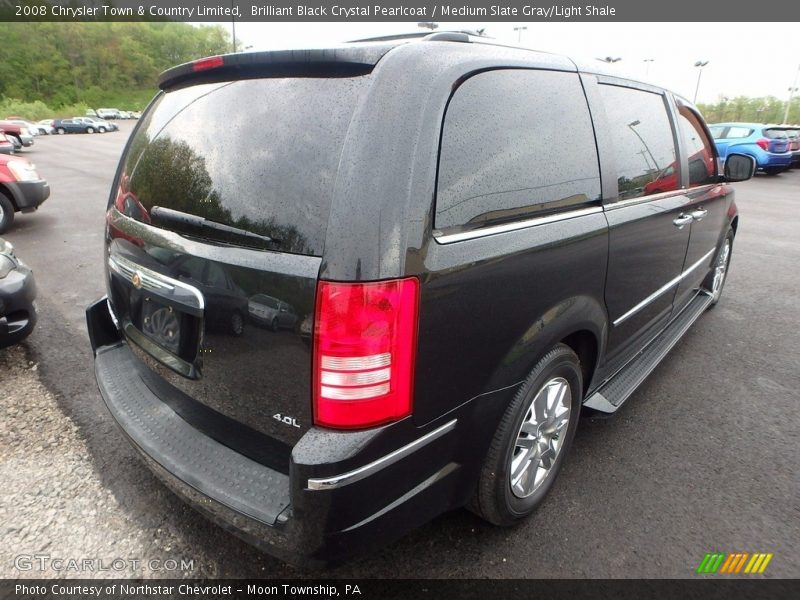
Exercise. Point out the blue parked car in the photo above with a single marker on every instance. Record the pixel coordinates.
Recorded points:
(768, 144)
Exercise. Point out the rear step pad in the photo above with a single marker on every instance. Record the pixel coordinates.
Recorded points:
(613, 393)
(196, 459)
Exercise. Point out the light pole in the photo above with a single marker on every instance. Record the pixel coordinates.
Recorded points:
(700, 64)
(519, 31)
(792, 90)
(647, 62)
(233, 27)
(632, 126)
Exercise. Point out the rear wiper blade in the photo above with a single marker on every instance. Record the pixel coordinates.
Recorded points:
(168, 215)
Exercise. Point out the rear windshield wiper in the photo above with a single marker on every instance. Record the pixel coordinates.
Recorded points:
(167, 215)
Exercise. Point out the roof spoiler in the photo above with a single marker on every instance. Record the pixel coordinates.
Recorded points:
(348, 61)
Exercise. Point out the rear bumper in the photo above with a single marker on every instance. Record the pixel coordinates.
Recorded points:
(341, 494)
(772, 159)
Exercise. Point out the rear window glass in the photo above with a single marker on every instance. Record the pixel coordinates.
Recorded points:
(259, 155)
(515, 143)
(775, 134)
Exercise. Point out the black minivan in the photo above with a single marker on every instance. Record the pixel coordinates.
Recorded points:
(476, 241)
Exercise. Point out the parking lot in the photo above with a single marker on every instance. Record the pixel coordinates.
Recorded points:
(703, 458)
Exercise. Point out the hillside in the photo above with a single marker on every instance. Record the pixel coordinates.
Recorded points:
(97, 64)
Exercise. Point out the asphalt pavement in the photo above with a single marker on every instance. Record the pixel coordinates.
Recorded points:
(703, 458)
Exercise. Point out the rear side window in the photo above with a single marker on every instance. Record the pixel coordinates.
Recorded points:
(716, 131)
(266, 300)
(699, 149)
(644, 147)
(515, 144)
(259, 155)
(735, 133)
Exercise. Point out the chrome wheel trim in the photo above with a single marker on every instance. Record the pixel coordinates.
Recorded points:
(2, 213)
(540, 437)
(720, 270)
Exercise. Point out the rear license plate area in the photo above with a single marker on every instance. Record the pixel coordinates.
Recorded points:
(162, 324)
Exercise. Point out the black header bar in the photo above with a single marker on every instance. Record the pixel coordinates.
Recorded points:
(399, 10)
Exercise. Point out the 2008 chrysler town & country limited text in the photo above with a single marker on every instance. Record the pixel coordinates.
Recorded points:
(475, 241)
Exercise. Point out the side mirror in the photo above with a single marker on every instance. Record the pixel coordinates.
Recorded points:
(739, 167)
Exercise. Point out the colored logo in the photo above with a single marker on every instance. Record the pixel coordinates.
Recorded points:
(736, 563)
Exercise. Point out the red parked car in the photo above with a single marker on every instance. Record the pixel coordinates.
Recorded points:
(21, 189)
(6, 145)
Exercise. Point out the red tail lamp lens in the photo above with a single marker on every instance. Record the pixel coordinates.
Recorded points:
(365, 342)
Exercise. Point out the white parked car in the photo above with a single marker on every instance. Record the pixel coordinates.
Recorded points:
(44, 127)
(108, 113)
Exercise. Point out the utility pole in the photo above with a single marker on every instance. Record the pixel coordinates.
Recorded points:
(792, 90)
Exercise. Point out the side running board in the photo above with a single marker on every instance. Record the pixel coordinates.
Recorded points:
(614, 392)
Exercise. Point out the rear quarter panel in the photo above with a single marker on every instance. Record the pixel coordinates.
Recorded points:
(490, 307)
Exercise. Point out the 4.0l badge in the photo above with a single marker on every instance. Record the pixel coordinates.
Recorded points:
(286, 420)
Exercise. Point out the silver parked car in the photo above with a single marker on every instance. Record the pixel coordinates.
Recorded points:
(270, 311)
(100, 125)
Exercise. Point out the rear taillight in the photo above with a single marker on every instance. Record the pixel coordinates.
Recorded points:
(365, 341)
(203, 64)
(763, 143)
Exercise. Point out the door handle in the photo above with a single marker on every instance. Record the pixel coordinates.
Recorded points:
(682, 220)
(698, 214)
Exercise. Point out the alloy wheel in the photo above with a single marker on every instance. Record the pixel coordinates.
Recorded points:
(721, 270)
(540, 437)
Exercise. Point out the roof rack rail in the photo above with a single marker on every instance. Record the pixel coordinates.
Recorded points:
(460, 35)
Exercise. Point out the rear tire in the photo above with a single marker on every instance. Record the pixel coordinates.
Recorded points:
(237, 324)
(274, 324)
(6, 213)
(60, 131)
(90, 130)
(533, 438)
